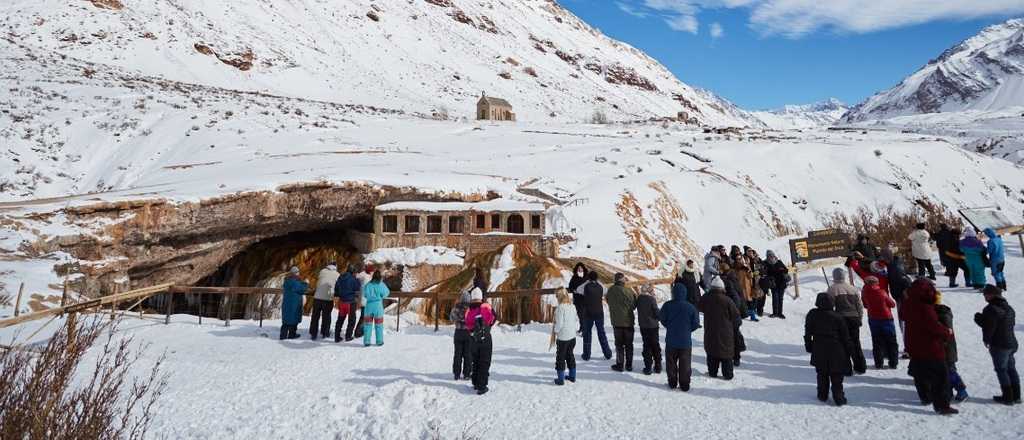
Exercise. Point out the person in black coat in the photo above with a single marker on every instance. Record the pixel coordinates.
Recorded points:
(720, 316)
(997, 322)
(827, 339)
(689, 279)
(732, 290)
(647, 320)
(955, 258)
(942, 239)
(778, 280)
(579, 276)
(593, 316)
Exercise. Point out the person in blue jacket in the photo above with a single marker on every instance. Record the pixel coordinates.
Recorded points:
(996, 257)
(291, 304)
(680, 320)
(374, 294)
(346, 291)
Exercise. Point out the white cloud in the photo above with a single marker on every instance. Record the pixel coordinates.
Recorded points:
(683, 23)
(716, 31)
(631, 10)
(796, 18)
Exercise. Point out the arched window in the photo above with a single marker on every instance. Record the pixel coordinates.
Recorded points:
(514, 224)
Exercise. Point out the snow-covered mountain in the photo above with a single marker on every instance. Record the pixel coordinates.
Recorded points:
(821, 114)
(429, 57)
(984, 73)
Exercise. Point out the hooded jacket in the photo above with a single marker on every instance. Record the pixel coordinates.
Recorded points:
(946, 318)
(291, 301)
(997, 321)
(689, 280)
(926, 336)
(576, 281)
(346, 289)
(846, 300)
(593, 300)
(919, 244)
(826, 338)
(680, 320)
(878, 303)
(712, 264)
(996, 252)
(458, 313)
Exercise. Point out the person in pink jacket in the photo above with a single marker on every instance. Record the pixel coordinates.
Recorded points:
(883, 329)
(479, 319)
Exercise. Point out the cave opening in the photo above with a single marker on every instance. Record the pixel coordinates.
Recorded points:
(265, 264)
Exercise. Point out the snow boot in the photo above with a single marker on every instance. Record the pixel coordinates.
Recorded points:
(685, 387)
(647, 371)
(1016, 393)
(1006, 398)
(481, 391)
(947, 411)
(617, 367)
(1001, 285)
(572, 375)
(961, 395)
(753, 316)
(561, 378)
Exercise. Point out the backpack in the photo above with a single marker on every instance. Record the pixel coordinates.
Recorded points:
(481, 331)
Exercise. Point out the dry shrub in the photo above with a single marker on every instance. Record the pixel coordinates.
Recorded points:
(40, 398)
(886, 225)
(5, 299)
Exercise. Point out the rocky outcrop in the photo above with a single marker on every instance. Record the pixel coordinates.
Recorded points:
(147, 242)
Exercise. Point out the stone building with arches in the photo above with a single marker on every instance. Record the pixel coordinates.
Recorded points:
(472, 227)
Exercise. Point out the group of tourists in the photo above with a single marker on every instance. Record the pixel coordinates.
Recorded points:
(358, 294)
(730, 287)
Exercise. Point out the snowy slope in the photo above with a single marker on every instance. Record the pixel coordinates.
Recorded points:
(821, 114)
(432, 57)
(311, 390)
(984, 72)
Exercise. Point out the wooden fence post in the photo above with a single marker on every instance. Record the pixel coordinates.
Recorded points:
(170, 305)
(200, 309)
(1020, 236)
(796, 282)
(261, 311)
(227, 314)
(827, 283)
(437, 310)
(17, 302)
(519, 312)
(64, 296)
(398, 320)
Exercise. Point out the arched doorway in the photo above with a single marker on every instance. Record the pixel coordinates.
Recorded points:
(514, 224)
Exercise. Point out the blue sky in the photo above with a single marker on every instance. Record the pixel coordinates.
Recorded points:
(767, 53)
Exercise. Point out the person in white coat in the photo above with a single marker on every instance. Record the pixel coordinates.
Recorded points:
(323, 302)
(564, 333)
(921, 247)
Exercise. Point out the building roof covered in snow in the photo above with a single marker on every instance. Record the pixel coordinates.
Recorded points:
(496, 205)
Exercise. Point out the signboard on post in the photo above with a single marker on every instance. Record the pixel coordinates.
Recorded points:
(982, 218)
(819, 245)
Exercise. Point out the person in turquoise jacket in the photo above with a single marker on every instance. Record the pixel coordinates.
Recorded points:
(373, 315)
(291, 304)
(974, 251)
(996, 257)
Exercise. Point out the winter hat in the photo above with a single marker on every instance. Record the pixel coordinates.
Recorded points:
(970, 233)
(294, 270)
(476, 295)
(620, 278)
(991, 290)
(839, 275)
(770, 254)
(717, 284)
(332, 266)
(871, 280)
(824, 301)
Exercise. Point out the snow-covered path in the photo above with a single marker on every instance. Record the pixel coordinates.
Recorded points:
(241, 382)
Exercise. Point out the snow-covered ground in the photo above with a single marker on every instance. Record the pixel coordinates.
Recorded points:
(241, 382)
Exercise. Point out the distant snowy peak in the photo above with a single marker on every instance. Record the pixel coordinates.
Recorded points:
(984, 72)
(430, 57)
(820, 114)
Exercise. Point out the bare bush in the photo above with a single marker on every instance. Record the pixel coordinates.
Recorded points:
(599, 117)
(887, 226)
(41, 399)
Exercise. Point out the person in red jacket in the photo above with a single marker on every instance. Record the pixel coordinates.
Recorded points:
(926, 344)
(883, 329)
(876, 269)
